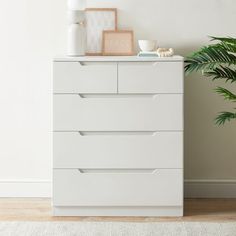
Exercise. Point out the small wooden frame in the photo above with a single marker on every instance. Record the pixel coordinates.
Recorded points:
(118, 43)
(97, 20)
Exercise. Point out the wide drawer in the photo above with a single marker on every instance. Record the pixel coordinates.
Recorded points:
(161, 187)
(118, 150)
(141, 113)
(85, 77)
(150, 77)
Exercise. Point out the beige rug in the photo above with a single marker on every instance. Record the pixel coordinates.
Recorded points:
(116, 229)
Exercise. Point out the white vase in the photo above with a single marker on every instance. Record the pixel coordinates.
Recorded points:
(76, 4)
(75, 16)
(76, 42)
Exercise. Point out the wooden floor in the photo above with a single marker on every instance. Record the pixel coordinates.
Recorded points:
(28, 209)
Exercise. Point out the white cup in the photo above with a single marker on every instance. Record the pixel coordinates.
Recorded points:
(147, 45)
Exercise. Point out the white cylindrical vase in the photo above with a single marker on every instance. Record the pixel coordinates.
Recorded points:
(75, 16)
(76, 4)
(76, 42)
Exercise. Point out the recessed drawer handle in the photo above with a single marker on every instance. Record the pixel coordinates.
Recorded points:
(117, 171)
(117, 96)
(155, 63)
(81, 63)
(80, 95)
(113, 133)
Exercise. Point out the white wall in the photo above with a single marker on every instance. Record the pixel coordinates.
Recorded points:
(33, 31)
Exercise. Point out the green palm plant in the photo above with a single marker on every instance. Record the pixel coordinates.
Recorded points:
(217, 61)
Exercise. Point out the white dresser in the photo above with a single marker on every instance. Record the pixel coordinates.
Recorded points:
(118, 136)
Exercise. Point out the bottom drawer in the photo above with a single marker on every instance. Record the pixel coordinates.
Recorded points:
(118, 187)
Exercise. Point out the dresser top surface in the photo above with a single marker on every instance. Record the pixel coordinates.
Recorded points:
(118, 58)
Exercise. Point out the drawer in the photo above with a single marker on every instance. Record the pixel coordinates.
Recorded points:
(104, 187)
(118, 150)
(131, 113)
(85, 77)
(150, 77)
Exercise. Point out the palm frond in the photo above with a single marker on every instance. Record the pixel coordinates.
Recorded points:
(225, 116)
(229, 47)
(208, 58)
(228, 40)
(226, 94)
(229, 43)
(222, 72)
(219, 62)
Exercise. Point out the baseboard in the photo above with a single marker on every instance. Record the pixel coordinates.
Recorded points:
(210, 188)
(118, 211)
(194, 188)
(25, 188)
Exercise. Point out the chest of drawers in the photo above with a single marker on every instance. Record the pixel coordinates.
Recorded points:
(118, 136)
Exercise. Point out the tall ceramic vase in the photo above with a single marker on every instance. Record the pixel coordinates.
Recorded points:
(76, 45)
(76, 42)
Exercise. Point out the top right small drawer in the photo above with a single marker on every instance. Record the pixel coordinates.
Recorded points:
(150, 77)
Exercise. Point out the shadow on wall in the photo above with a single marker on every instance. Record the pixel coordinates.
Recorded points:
(210, 151)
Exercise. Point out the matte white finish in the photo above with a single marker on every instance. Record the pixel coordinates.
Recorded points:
(118, 150)
(117, 211)
(76, 38)
(162, 187)
(150, 77)
(158, 112)
(81, 77)
(75, 16)
(25, 188)
(119, 59)
(76, 4)
(118, 137)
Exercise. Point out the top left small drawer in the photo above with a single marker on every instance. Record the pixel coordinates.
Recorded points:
(84, 77)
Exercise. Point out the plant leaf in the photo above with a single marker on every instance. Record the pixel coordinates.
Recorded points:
(222, 72)
(208, 58)
(226, 94)
(224, 39)
(229, 43)
(224, 116)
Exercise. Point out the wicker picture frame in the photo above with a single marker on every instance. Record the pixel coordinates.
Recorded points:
(97, 20)
(118, 43)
